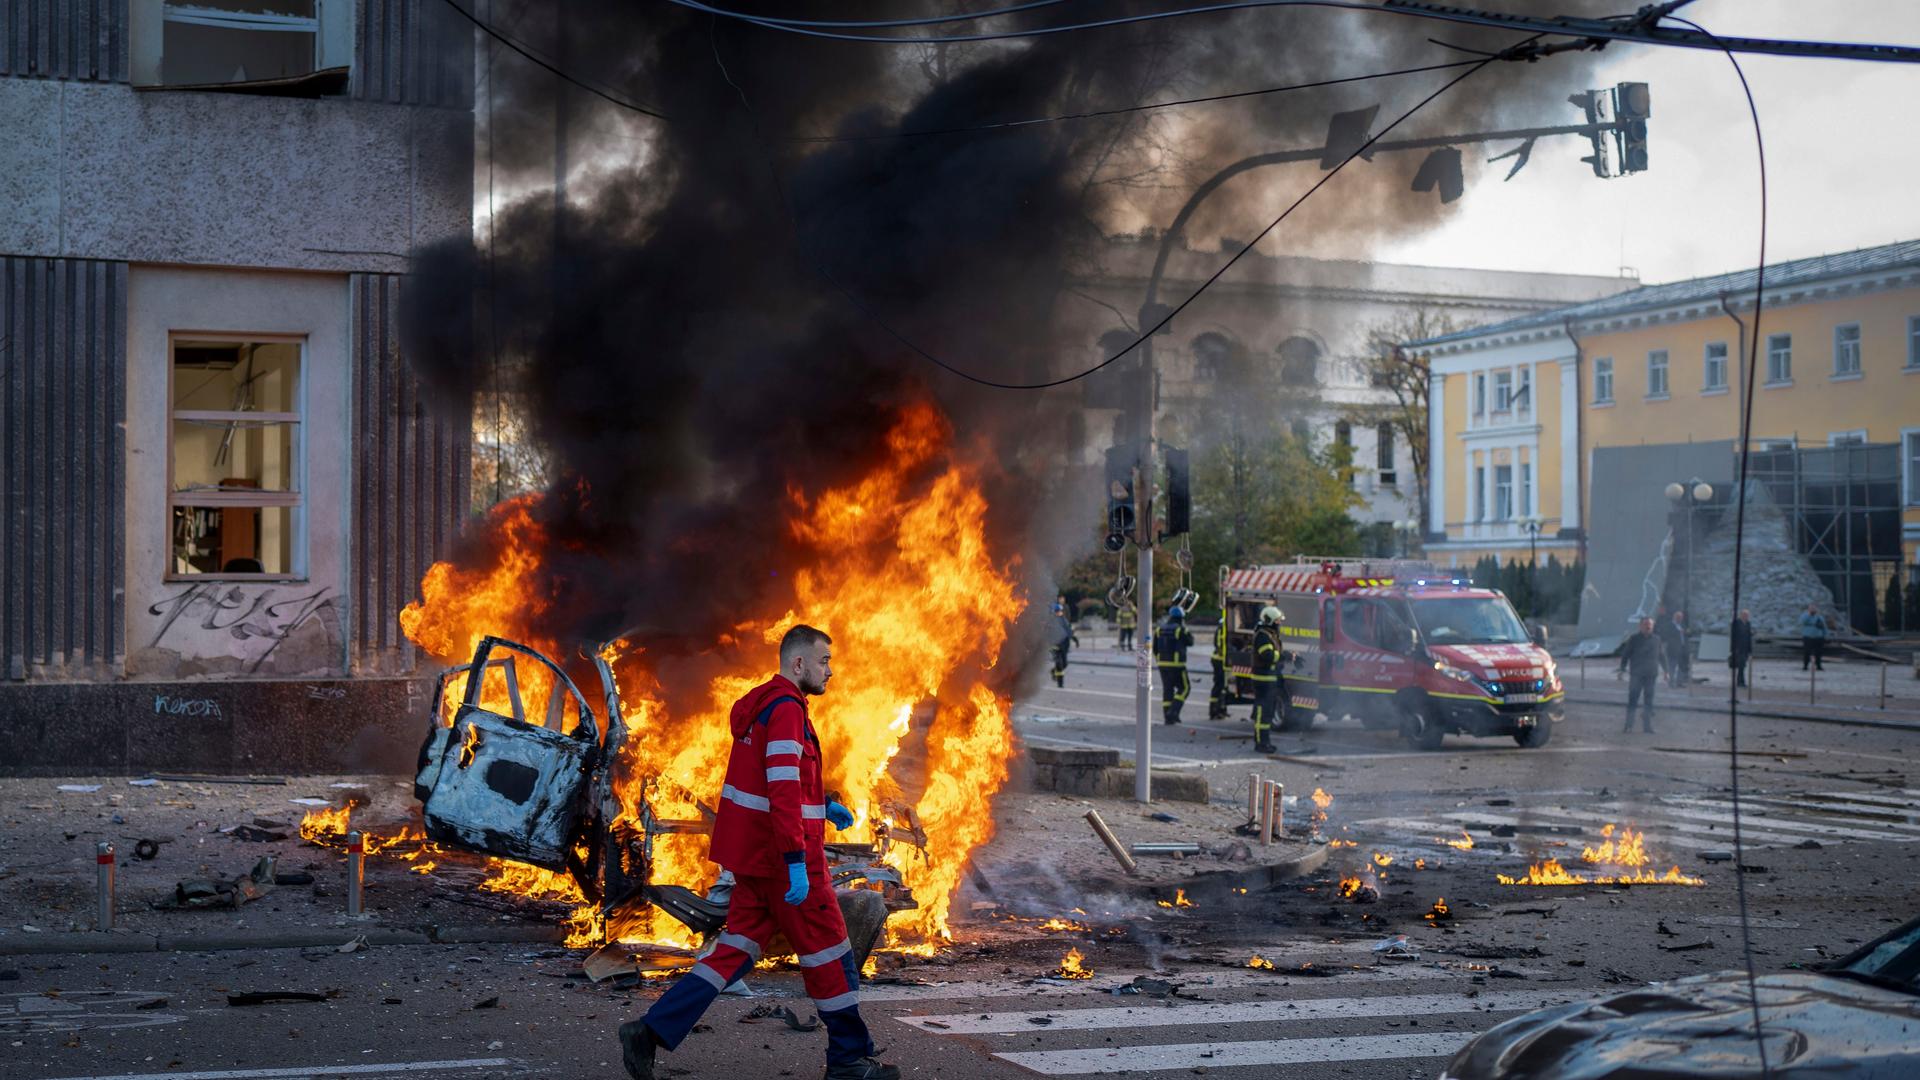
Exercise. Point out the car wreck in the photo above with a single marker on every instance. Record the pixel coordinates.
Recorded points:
(504, 773)
(1854, 1018)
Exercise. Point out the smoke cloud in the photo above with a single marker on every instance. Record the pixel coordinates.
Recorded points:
(683, 332)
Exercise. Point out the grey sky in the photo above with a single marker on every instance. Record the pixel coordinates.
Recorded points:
(1842, 156)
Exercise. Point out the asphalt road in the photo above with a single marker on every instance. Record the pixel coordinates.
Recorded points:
(1831, 816)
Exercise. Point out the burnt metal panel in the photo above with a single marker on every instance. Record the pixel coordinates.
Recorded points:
(412, 52)
(411, 456)
(63, 361)
(64, 39)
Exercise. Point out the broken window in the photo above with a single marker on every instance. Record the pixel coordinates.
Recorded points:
(234, 458)
(216, 42)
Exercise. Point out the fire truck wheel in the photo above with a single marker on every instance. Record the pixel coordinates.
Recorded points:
(1535, 736)
(1421, 728)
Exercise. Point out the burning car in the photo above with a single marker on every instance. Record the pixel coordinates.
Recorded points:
(1854, 1018)
(519, 764)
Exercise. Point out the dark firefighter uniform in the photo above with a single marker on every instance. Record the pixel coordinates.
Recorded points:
(1217, 698)
(1266, 686)
(1063, 639)
(773, 815)
(1170, 645)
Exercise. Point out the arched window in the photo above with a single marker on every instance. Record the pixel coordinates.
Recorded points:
(1212, 357)
(1299, 362)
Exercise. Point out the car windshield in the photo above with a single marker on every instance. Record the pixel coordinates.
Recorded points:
(1468, 620)
(1893, 960)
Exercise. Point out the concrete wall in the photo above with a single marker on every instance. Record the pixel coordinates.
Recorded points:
(184, 629)
(104, 171)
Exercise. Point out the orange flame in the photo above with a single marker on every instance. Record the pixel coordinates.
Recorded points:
(1057, 925)
(1552, 873)
(1260, 963)
(1349, 886)
(1381, 858)
(1321, 799)
(1440, 911)
(1465, 843)
(918, 609)
(1629, 850)
(1179, 900)
(1071, 967)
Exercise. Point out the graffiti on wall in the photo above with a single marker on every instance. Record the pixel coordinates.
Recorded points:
(256, 620)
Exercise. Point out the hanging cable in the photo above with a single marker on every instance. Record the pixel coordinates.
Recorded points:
(931, 20)
(1739, 529)
(485, 26)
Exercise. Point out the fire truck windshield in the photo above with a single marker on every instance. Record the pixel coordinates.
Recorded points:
(1468, 620)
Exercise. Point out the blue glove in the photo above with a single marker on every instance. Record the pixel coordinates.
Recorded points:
(841, 817)
(796, 883)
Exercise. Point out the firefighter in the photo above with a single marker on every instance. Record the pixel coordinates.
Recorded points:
(1266, 678)
(1217, 697)
(1123, 619)
(1063, 639)
(1170, 645)
(770, 832)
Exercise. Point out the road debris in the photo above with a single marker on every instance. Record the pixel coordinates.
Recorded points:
(268, 997)
(79, 789)
(222, 891)
(781, 1013)
(1395, 948)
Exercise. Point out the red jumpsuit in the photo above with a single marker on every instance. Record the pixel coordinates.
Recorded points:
(773, 812)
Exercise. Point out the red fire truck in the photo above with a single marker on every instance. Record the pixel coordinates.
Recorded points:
(1394, 643)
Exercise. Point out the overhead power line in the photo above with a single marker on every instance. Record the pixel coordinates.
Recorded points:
(1633, 28)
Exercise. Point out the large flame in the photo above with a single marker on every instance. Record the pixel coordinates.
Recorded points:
(918, 608)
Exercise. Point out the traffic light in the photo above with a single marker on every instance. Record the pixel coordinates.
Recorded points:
(1442, 170)
(1179, 493)
(1632, 105)
(1588, 101)
(1119, 496)
(1347, 132)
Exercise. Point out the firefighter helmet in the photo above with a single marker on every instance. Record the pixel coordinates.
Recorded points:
(1176, 612)
(1269, 616)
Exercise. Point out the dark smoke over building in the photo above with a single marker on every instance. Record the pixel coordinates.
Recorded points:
(702, 330)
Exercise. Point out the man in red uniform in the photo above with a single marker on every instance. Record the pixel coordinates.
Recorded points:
(771, 831)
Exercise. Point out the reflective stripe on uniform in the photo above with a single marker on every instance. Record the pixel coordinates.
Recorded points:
(827, 955)
(783, 772)
(741, 798)
(809, 810)
(742, 942)
(783, 746)
(710, 976)
(837, 1002)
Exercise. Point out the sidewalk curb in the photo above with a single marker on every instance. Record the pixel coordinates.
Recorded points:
(1770, 714)
(83, 942)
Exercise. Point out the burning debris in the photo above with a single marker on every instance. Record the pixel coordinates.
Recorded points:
(1072, 967)
(1360, 891)
(1440, 912)
(1179, 900)
(1381, 858)
(1465, 843)
(1058, 925)
(1627, 852)
(1260, 963)
(1321, 799)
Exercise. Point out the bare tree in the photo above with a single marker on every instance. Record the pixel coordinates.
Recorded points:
(1402, 373)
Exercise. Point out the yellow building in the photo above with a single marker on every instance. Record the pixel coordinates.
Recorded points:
(1516, 409)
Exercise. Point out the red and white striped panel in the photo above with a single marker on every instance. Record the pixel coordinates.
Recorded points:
(1271, 580)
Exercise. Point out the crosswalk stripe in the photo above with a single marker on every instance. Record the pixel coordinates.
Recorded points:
(1908, 805)
(1857, 814)
(1667, 827)
(1546, 818)
(1720, 810)
(1216, 1055)
(1234, 1012)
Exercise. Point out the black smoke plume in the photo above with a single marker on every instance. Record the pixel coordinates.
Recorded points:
(683, 332)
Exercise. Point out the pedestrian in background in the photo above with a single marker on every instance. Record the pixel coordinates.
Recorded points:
(1741, 648)
(1063, 639)
(1813, 638)
(1170, 645)
(1641, 658)
(1124, 619)
(1674, 639)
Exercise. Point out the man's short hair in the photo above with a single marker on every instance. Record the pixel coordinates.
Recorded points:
(799, 639)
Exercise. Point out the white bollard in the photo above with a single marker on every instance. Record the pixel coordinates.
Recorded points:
(103, 859)
(1279, 809)
(1253, 798)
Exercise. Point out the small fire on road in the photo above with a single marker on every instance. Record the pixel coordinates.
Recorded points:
(1260, 963)
(1072, 967)
(1179, 900)
(1465, 843)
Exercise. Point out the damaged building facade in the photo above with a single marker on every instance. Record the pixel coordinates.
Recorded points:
(1560, 432)
(1291, 332)
(222, 481)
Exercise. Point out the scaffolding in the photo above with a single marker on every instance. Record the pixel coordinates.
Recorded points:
(1842, 505)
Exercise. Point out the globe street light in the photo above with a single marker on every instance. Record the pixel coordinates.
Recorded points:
(1531, 524)
(1406, 527)
(1685, 497)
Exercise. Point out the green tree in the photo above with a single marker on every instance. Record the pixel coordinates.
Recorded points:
(1401, 374)
(1259, 500)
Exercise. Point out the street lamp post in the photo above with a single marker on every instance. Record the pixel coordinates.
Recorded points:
(1685, 497)
(1532, 526)
(1406, 527)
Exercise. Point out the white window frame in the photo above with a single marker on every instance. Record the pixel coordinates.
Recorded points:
(1503, 494)
(1910, 465)
(1480, 499)
(1383, 453)
(1856, 437)
(293, 498)
(1479, 393)
(1846, 361)
(1665, 367)
(1708, 384)
(1527, 508)
(1779, 346)
(1503, 391)
(1603, 380)
(1913, 343)
(331, 26)
(1777, 444)
(1523, 392)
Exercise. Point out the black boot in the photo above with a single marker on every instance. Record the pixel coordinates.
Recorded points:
(637, 1045)
(1265, 748)
(864, 1069)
